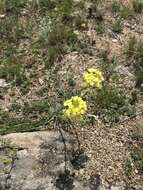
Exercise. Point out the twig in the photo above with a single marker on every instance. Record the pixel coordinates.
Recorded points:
(77, 138)
(94, 116)
(65, 146)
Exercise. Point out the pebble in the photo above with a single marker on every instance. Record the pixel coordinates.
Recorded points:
(3, 83)
(114, 40)
(2, 16)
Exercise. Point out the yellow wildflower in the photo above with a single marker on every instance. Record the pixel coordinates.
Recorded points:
(76, 108)
(93, 78)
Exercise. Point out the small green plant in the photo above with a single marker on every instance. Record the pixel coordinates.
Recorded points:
(57, 40)
(71, 82)
(12, 72)
(107, 64)
(11, 31)
(57, 35)
(65, 8)
(134, 51)
(94, 11)
(13, 6)
(117, 26)
(46, 4)
(126, 12)
(138, 65)
(54, 53)
(79, 23)
(111, 104)
(138, 6)
(131, 47)
(137, 148)
(115, 6)
(128, 168)
(121, 10)
(2, 6)
(137, 133)
(100, 28)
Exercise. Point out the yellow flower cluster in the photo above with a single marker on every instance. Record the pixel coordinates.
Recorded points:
(93, 78)
(76, 108)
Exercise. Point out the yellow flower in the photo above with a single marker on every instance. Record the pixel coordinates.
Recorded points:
(76, 108)
(93, 78)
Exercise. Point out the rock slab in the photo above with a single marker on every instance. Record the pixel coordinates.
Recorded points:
(33, 161)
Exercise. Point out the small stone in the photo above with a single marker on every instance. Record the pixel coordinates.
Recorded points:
(2, 16)
(41, 81)
(114, 40)
(116, 188)
(136, 171)
(76, 32)
(122, 70)
(76, 1)
(119, 186)
(3, 83)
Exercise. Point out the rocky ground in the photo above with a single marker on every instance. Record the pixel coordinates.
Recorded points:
(35, 161)
(45, 47)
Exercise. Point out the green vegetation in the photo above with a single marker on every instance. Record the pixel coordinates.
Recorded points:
(130, 49)
(100, 28)
(128, 168)
(135, 161)
(36, 115)
(126, 12)
(12, 72)
(36, 36)
(61, 59)
(117, 26)
(134, 52)
(138, 6)
(113, 103)
(115, 6)
(137, 148)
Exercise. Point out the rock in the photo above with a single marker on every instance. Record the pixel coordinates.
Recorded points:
(2, 16)
(114, 40)
(35, 161)
(117, 188)
(41, 81)
(125, 75)
(122, 70)
(3, 83)
(76, 1)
